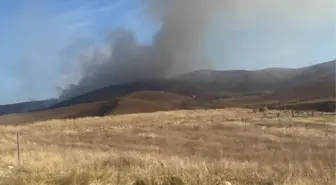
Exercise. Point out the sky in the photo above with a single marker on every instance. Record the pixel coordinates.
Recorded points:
(40, 40)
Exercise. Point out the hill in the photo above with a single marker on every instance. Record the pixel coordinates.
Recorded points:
(238, 81)
(111, 92)
(25, 106)
(259, 81)
(208, 85)
(305, 86)
(274, 87)
(137, 102)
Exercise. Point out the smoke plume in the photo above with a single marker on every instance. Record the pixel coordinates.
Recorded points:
(179, 45)
(176, 48)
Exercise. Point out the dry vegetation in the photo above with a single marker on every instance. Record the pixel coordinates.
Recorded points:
(203, 147)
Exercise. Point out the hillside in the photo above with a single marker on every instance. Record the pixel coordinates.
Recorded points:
(321, 71)
(206, 84)
(239, 81)
(25, 107)
(204, 88)
(111, 92)
(137, 102)
(307, 86)
(259, 81)
(74, 111)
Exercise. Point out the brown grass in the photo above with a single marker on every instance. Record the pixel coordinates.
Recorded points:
(206, 147)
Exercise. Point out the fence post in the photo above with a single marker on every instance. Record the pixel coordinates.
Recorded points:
(18, 147)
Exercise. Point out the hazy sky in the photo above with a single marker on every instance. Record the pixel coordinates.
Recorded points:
(39, 39)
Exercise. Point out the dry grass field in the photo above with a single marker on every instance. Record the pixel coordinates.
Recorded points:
(195, 147)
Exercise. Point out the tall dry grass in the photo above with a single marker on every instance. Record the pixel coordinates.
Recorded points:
(206, 147)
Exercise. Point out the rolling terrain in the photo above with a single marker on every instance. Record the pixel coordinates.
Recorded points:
(111, 92)
(25, 106)
(137, 134)
(305, 88)
(261, 81)
(137, 102)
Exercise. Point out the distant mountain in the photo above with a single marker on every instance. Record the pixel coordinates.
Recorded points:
(25, 106)
(261, 76)
(258, 81)
(312, 73)
(238, 81)
(238, 86)
(207, 84)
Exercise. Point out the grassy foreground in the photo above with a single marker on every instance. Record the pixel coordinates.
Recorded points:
(203, 147)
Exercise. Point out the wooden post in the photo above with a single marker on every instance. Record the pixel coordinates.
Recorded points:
(326, 129)
(18, 147)
(245, 124)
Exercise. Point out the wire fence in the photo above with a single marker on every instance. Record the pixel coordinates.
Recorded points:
(325, 126)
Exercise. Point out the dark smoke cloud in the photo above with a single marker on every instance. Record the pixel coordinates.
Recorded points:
(176, 48)
(244, 35)
(179, 46)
